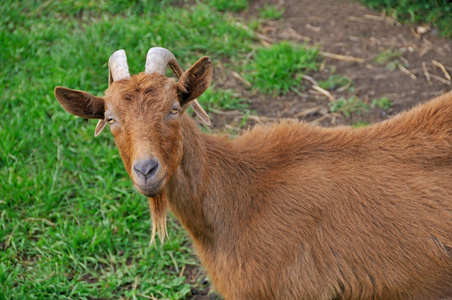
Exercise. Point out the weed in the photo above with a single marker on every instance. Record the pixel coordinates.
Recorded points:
(360, 124)
(272, 12)
(230, 5)
(279, 68)
(244, 118)
(336, 82)
(384, 103)
(438, 12)
(216, 98)
(388, 57)
(348, 106)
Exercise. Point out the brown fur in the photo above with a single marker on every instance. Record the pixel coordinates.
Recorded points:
(294, 211)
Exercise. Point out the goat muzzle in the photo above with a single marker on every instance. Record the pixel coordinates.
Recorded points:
(147, 176)
(146, 169)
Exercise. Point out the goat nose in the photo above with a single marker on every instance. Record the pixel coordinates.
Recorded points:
(146, 168)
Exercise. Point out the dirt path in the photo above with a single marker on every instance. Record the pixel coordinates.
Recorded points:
(345, 28)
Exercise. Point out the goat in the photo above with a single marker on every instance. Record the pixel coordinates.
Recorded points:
(288, 210)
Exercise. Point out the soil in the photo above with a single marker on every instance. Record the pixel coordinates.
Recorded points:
(345, 28)
(342, 27)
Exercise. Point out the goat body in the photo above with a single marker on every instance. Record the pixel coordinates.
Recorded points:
(293, 211)
(290, 210)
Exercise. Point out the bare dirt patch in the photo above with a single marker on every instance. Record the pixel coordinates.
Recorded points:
(198, 277)
(349, 29)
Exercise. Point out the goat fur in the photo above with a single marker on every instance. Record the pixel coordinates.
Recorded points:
(294, 211)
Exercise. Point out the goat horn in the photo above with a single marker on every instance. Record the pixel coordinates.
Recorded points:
(117, 70)
(200, 112)
(117, 67)
(157, 60)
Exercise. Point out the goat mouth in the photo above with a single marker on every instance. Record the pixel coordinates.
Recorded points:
(150, 189)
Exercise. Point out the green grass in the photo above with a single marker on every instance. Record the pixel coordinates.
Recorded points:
(383, 103)
(219, 99)
(272, 12)
(228, 5)
(279, 68)
(389, 58)
(386, 56)
(337, 82)
(347, 106)
(360, 124)
(437, 12)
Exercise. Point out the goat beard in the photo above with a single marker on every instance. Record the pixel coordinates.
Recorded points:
(158, 207)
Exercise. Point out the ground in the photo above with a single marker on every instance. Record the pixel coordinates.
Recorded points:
(350, 29)
(417, 70)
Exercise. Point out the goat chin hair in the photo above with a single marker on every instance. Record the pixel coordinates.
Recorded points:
(158, 206)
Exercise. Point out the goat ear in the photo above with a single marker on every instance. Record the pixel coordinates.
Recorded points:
(195, 81)
(79, 103)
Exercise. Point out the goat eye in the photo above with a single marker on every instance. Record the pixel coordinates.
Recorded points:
(110, 120)
(175, 110)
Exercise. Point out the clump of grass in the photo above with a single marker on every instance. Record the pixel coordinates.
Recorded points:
(384, 103)
(336, 81)
(220, 99)
(437, 12)
(279, 68)
(229, 5)
(360, 124)
(388, 57)
(348, 106)
(272, 12)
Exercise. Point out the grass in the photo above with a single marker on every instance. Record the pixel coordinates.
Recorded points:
(389, 58)
(220, 99)
(386, 56)
(271, 12)
(229, 5)
(383, 103)
(436, 12)
(360, 124)
(348, 106)
(279, 68)
(337, 82)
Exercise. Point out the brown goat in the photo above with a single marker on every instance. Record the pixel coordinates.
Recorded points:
(289, 210)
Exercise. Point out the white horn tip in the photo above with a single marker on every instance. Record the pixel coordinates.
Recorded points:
(117, 64)
(157, 60)
(200, 112)
(119, 54)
